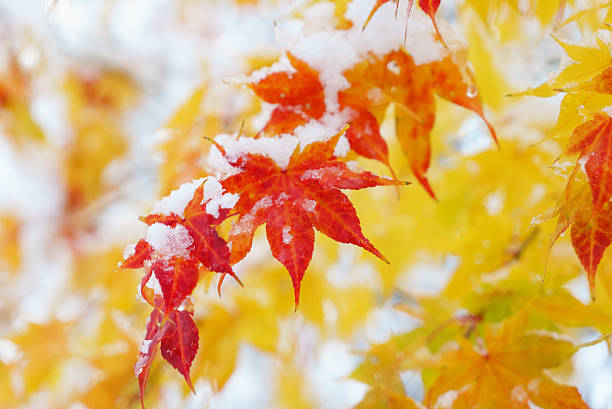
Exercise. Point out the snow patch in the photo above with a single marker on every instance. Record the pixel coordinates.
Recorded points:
(129, 251)
(177, 200)
(169, 241)
(311, 174)
(287, 237)
(153, 284)
(144, 347)
(281, 65)
(215, 198)
(246, 223)
(342, 148)
(309, 205)
(519, 394)
(278, 149)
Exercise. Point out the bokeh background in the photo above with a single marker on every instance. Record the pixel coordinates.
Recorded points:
(103, 109)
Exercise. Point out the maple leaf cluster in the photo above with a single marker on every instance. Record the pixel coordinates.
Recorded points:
(374, 84)
(296, 195)
(474, 304)
(304, 194)
(290, 201)
(177, 271)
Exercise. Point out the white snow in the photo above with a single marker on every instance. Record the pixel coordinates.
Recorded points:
(519, 394)
(278, 149)
(342, 148)
(245, 223)
(281, 198)
(287, 237)
(153, 284)
(321, 130)
(281, 65)
(309, 205)
(129, 251)
(212, 188)
(225, 201)
(215, 198)
(144, 347)
(177, 200)
(311, 174)
(169, 241)
(354, 166)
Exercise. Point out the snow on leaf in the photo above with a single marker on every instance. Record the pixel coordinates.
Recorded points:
(181, 239)
(208, 247)
(148, 350)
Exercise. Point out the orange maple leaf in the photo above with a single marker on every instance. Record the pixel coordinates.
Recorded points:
(506, 372)
(395, 78)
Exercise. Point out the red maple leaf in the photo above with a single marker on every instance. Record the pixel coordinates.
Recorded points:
(177, 279)
(295, 200)
(178, 335)
(179, 344)
(300, 98)
(363, 133)
(591, 217)
(299, 95)
(148, 350)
